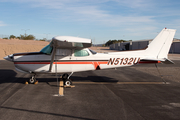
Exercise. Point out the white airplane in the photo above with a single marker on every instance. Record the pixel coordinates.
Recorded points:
(66, 55)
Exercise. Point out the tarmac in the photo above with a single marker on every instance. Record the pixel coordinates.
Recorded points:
(141, 92)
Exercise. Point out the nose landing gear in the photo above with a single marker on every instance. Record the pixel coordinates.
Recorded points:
(32, 80)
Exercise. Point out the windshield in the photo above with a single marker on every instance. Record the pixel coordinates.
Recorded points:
(47, 49)
(93, 52)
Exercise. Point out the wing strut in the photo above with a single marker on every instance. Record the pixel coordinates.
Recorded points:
(52, 58)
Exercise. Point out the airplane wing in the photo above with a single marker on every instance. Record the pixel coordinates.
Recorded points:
(69, 42)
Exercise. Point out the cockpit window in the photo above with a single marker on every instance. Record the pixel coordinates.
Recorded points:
(93, 52)
(81, 53)
(47, 49)
(63, 52)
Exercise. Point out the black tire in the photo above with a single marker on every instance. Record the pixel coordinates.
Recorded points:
(65, 76)
(32, 81)
(67, 82)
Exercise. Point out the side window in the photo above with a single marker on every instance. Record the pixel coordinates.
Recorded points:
(80, 53)
(47, 50)
(63, 52)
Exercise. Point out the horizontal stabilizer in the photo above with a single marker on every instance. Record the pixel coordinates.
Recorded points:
(164, 61)
(167, 61)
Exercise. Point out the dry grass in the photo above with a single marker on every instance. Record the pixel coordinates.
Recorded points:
(8, 47)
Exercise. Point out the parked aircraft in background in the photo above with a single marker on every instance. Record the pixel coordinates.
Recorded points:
(66, 55)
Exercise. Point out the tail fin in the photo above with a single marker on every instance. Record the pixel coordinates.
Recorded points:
(160, 46)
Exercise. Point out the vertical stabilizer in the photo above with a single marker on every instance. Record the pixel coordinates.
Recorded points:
(159, 47)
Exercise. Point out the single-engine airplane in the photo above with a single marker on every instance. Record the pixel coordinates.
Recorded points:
(66, 55)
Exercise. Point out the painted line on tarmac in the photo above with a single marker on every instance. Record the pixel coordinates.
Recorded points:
(61, 88)
(146, 83)
(123, 83)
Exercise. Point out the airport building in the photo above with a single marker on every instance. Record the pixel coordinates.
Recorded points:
(142, 44)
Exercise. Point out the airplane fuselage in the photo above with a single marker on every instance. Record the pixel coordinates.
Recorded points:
(71, 61)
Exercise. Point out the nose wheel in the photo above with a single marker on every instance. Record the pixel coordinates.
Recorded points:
(32, 80)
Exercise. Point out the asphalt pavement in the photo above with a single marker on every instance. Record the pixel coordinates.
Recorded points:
(141, 92)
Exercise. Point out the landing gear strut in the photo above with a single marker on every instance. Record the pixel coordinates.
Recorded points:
(32, 80)
(65, 76)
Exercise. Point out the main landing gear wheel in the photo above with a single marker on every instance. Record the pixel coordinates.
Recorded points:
(67, 82)
(32, 80)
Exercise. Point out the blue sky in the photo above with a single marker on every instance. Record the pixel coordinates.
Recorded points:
(100, 20)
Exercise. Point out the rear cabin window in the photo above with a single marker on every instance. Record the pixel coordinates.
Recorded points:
(80, 53)
(63, 52)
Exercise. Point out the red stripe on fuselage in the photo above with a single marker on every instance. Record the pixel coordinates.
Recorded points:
(94, 63)
(74, 62)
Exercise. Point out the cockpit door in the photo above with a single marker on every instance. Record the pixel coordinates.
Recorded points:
(63, 54)
(62, 60)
